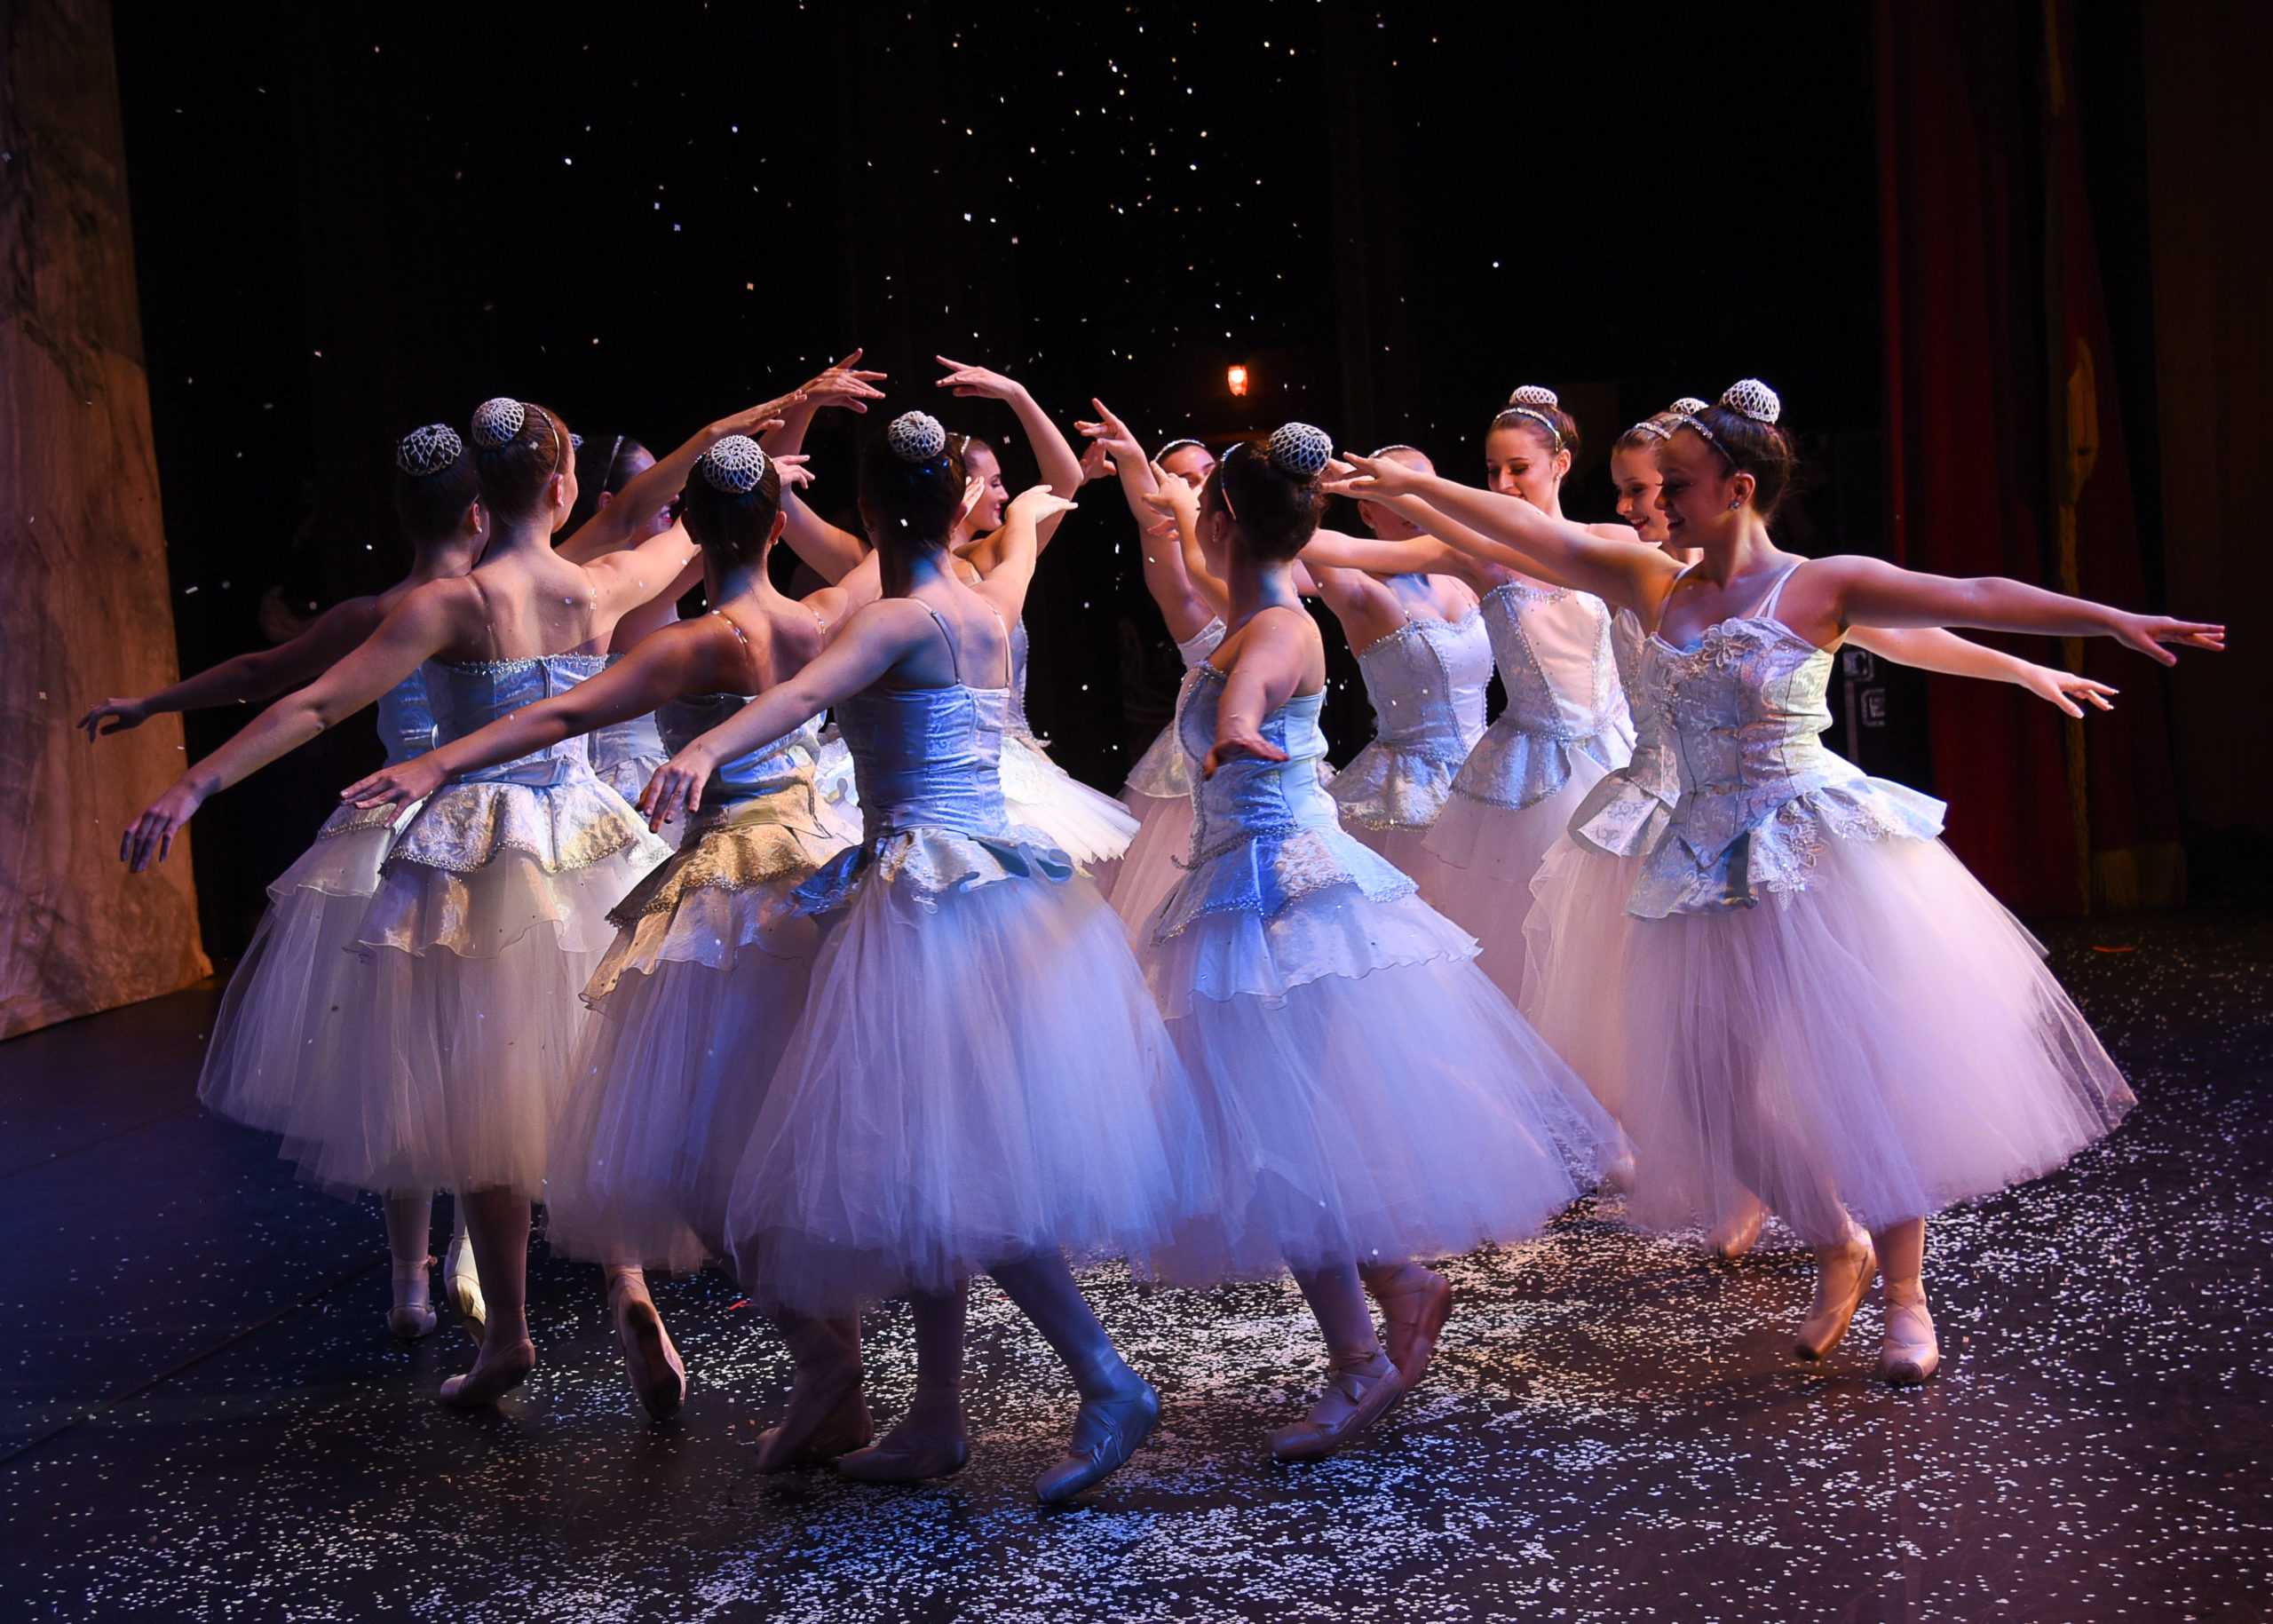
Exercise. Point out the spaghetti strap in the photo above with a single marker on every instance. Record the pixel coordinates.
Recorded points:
(1671, 587)
(955, 654)
(1766, 609)
(1005, 628)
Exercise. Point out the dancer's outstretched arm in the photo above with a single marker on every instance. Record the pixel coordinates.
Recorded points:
(1829, 595)
(1175, 522)
(430, 619)
(1181, 605)
(867, 647)
(843, 384)
(636, 505)
(1932, 649)
(1054, 458)
(687, 657)
(262, 674)
(1278, 648)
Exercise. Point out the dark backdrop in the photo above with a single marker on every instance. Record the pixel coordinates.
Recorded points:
(350, 221)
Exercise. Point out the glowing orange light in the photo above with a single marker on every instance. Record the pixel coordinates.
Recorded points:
(1237, 378)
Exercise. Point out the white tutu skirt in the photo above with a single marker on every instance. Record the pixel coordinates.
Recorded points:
(695, 1001)
(980, 1074)
(1885, 1041)
(1477, 863)
(453, 1041)
(273, 1032)
(1153, 865)
(1371, 1096)
(1086, 824)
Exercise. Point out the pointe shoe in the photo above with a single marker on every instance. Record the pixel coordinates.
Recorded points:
(1106, 1431)
(650, 1358)
(1618, 1173)
(1910, 1353)
(492, 1377)
(828, 1417)
(412, 1316)
(909, 1453)
(464, 1284)
(1414, 1312)
(1843, 1275)
(1355, 1396)
(1739, 1233)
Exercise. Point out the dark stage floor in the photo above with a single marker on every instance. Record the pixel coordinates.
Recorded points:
(203, 1417)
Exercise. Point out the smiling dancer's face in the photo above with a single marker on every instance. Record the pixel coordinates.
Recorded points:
(1634, 472)
(980, 464)
(1694, 490)
(1387, 523)
(1520, 461)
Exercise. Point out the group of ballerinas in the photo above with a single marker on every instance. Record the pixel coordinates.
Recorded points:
(874, 1027)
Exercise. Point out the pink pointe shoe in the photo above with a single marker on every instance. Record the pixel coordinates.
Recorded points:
(412, 1316)
(1357, 1393)
(650, 1357)
(1738, 1233)
(1843, 1274)
(1910, 1353)
(930, 1442)
(828, 1414)
(1106, 1431)
(1415, 1303)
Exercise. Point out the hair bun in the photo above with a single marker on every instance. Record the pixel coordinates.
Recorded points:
(1536, 396)
(1688, 405)
(734, 465)
(428, 450)
(917, 437)
(1751, 398)
(498, 421)
(1301, 449)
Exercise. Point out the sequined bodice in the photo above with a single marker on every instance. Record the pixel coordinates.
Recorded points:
(406, 720)
(1654, 767)
(1015, 719)
(1426, 680)
(1203, 642)
(767, 770)
(467, 697)
(1553, 648)
(634, 739)
(1744, 712)
(1249, 796)
(927, 757)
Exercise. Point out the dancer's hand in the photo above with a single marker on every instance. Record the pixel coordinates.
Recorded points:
(1354, 476)
(114, 715)
(795, 475)
(1235, 738)
(1037, 502)
(1095, 464)
(677, 788)
(411, 781)
(758, 419)
(845, 385)
(1171, 496)
(150, 837)
(2147, 633)
(974, 492)
(1110, 435)
(2063, 689)
(980, 382)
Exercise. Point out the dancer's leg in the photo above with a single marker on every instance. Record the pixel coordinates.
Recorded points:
(1119, 1407)
(461, 1279)
(1414, 1302)
(410, 1216)
(1361, 1382)
(650, 1357)
(929, 1440)
(828, 1414)
(498, 1222)
(1910, 1353)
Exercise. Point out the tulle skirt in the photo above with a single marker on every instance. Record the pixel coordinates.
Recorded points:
(980, 1074)
(1153, 865)
(1884, 1043)
(1371, 1096)
(695, 1001)
(1478, 861)
(272, 1036)
(1576, 941)
(1086, 824)
(452, 1044)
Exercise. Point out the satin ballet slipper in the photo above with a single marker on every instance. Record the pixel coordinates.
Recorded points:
(412, 1316)
(1106, 1431)
(1910, 1352)
(651, 1359)
(827, 1416)
(1739, 1233)
(463, 1283)
(1843, 1274)
(1414, 1302)
(495, 1372)
(1357, 1394)
(930, 1442)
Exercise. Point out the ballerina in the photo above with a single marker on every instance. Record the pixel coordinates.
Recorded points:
(1821, 1007)
(1087, 824)
(980, 1082)
(444, 1054)
(1294, 966)
(708, 971)
(259, 1056)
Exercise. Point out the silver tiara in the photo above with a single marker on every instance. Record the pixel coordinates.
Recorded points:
(1177, 445)
(1533, 395)
(1688, 405)
(1300, 449)
(915, 437)
(1652, 428)
(1751, 398)
(1397, 445)
(1535, 401)
(498, 421)
(734, 465)
(428, 450)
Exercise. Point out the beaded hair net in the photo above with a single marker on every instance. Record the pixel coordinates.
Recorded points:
(1751, 398)
(1300, 449)
(498, 421)
(1688, 405)
(917, 437)
(734, 465)
(1535, 401)
(428, 450)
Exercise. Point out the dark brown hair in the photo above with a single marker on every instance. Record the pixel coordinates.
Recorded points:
(1565, 435)
(910, 507)
(1274, 512)
(428, 505)
(734, 529)
(1746, 445)
(515, 474)
(603, 465)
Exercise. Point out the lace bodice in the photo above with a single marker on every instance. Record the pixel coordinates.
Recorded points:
(633, 739)
(471, 696)
(406, 720)
(767, 770)
(1162, 771)
(927, 757)
(1553, 649)
(1015, 718)
(1426, 681)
